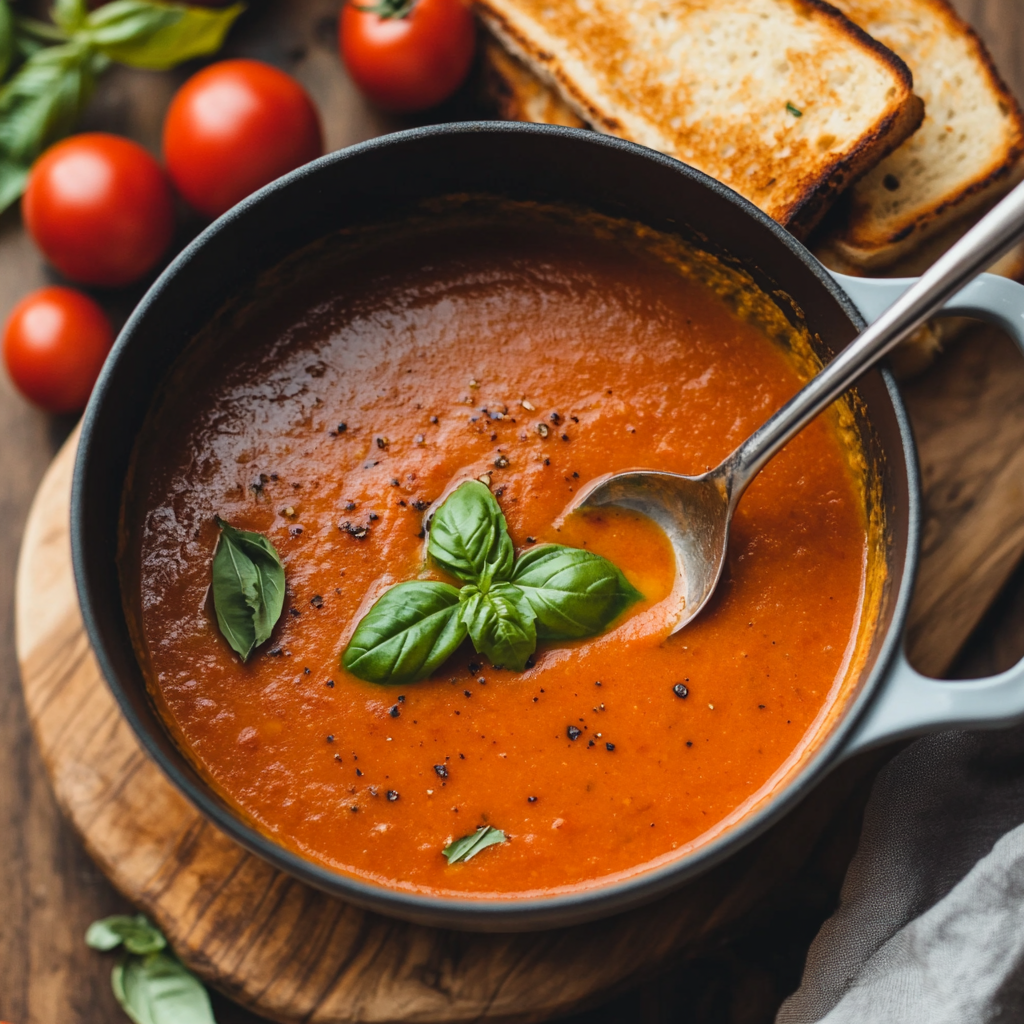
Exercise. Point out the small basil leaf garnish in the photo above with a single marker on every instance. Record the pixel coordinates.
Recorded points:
(573, 593)
(409, 632)
(500, 624)
(157, 988)
(248, 588)
(469, 846)
(468, 536)
(136, 933)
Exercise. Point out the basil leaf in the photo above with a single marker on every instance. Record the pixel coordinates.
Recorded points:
(6, 38)
(573, 593)
(409, 633)
(248, 588)
(13, 178)
(158, 989)
(69, 14)
(469, 846)
(137, 934)
(39, 105)
(500, 624)
(469, 538)
(157, 36)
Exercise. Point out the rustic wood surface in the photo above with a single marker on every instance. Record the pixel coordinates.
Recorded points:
(968, 412)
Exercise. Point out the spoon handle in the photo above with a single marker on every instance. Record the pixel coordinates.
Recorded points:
(992, 236)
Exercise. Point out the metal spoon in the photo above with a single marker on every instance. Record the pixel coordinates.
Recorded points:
(695, 511)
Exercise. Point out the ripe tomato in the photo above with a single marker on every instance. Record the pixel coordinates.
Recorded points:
(234, 127)
(407, 56)
(100, 208)
(54, 344)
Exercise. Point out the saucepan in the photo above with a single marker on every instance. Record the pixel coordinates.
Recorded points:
(372, 180)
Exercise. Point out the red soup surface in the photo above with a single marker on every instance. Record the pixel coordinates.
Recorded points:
(538, 350)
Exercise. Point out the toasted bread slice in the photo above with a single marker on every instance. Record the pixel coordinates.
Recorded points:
(967, 150)
(786, 101)
(519, 94)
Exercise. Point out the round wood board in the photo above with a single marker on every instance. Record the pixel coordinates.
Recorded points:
(287, 951)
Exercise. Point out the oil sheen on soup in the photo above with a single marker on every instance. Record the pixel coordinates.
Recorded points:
(533, 349)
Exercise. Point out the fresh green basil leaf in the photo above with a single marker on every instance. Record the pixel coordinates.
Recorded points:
(468, 536)
(157, 36)
(573, 592)
(500, 624)
(7, 50)
(248, 588)
(137, 934)
(13, 178)
(43, 99)
(469, 846)
(410, 632)
(69, 14)
(158, 989)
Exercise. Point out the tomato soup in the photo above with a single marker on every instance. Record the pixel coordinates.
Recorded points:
(535, 349)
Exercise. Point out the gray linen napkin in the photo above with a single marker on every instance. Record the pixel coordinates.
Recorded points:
(930, 925)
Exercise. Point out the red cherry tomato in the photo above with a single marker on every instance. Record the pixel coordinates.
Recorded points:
(407, 61)
(54, 344)
(100, 208)
(234, 127)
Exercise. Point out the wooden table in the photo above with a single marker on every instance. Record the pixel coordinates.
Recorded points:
(50, 890)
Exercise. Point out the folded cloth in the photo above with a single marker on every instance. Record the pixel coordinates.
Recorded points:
(930, 925)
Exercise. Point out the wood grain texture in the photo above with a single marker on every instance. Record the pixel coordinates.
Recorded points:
(50, 889)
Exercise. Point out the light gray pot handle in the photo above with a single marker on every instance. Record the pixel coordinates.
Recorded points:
(908, 703)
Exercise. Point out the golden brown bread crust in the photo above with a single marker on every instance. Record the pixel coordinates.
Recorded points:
(806, 194)
(871, 237)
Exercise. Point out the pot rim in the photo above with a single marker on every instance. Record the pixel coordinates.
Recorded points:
(523, 913)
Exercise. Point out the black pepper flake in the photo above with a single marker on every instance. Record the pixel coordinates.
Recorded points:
(442, 771)
(576, 475)
(761, 706)
(353, 808)
(359, 772)
(329, 684)
(295, 531)
(609, 746)
(555, 418)
(565, 437)
(547, 462)
(337, 757)
(433, 419)
(305, 671)
(330, 738)
(401, 698)
(401, 501)
(689, 743)
(597, 682)
(316, 601)
(575, 419)
(394, 482)
(295, 612)
(591, 743)
(359, 532)
(373, 517)
(680, 690)
(468, 693)
(382, 443)
(342, 427)
(394, 712)
(473, 668)
(500, 462)
(535, 699)
(350, 506)
(392, 795)
(421, 504)
(531, 540)
(481, 680)
(572, 732)
(275, 652)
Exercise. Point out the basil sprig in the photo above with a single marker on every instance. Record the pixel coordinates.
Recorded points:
(248, 588)
(551, 593)
(60, 63)
(150, 983)
(469, 846)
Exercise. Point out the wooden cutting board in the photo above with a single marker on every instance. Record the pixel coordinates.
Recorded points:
(293, 954)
